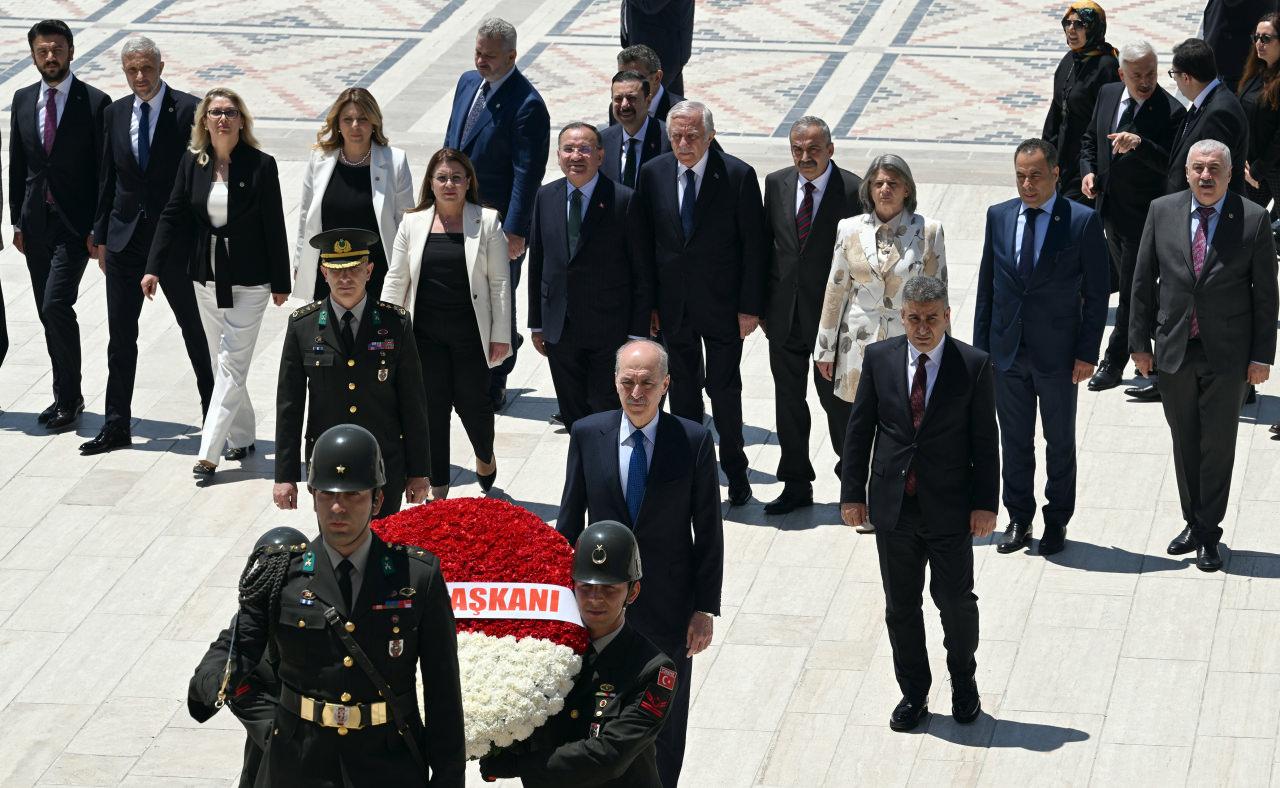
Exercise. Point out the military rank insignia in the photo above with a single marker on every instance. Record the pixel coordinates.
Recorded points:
(396, 647)
(309, 562)
(654, 705)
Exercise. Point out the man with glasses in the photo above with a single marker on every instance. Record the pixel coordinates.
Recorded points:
(356, 360)
(587, 291)
(1215, 114)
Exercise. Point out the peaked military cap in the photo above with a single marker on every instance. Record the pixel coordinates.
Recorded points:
(344, 247)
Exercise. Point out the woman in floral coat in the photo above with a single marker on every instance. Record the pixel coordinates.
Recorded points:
(876, 253)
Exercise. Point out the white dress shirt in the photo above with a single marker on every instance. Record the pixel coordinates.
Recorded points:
(930, 368)
(1124, 96)
(1042, 228)
(699, 170)
(1213, 220)
(649, 433)
(358, 561)
(653, 105)
(136, 120)
(587, 190)
(819, 188)
(62, 90)
(626, 143)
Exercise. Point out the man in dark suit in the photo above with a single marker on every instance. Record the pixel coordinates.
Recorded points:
(1227, 27)
(637, 137)
(1215, 114)
(587, 292)
(137, 174)
(1205, 291)
(657, 474)
(645, 62)
(802, 206)
(702, 238)
(1043, 286)
(55, 143)
(666, 26)
(1124, 156)
(500, 121)
(934, 482)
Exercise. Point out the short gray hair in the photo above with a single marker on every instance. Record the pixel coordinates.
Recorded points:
(811, 121)
(694, 108)
(664, 360)
(140, 45)
(1132, 53)
(893, 163)
(493, 27)
(1212, 147)
(924, 289)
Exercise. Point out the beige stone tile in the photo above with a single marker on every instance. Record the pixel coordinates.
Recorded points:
(46, 608)
(53, 537)
(16, 585)
(825, 691)
(35, 734)
(802, 750)
(1064, 670)
(827, 546)
(22, 654)
(1161, 600)
(1226, 761)
(747, 543)
(873, 755)
(1006, 590)
(204, 753)
(163, 578)
(124, 726)
(843, 654)
(953, 773)
(101, 486)
(163, 671)
(1140, 765)
(90, 662)
(122, 535)
(755, 629)
(1231, 705)
(1041, 749)
(1155, 702)
(756, 677)
(76, 769)
(1244, 641)
(729, 757)
(792, 590)
(737, 582)
(1078, 611)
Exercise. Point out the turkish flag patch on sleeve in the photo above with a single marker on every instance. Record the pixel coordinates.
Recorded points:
(667, 679)
(654, 705)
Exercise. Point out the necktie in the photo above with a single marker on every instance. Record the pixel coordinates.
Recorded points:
(637, 475)
(575, 220)
(345, 568)
(481, 102)
(1199, 248)
(629, 171)
(1186, 124)
(348, 336)
(918, 384)
(1126, 117)
(686, 205)
(804, 216)
(50, 119)
(1027, 255)
(144, 137)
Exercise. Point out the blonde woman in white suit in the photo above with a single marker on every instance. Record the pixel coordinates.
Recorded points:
(354, 179)
(449, 268)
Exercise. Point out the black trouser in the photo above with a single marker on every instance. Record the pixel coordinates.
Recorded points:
(671, 738)
(456, 377)
(393, 495)
(498, 375)
(1017, 393)
(904, 551)
(1202, 406)
(722, 378)
(56, 257)
(583, 380)
(1124, 257)
(124, 305)
(791, 362)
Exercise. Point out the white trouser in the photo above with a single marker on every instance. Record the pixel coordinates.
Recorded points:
(232, 334)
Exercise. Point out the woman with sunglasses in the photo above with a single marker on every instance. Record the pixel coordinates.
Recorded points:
(1260, 96)
(1090, 64)
(225, 220)
(449, 269)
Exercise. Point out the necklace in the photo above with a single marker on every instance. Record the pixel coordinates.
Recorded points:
(342, 156)
(446, 221)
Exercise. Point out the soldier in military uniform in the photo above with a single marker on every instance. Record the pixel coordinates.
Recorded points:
(352, 619)
(606, 733)
(357, 360)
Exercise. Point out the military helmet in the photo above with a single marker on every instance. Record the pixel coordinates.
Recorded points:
(606, 554)
(346, 458)
(280, 535)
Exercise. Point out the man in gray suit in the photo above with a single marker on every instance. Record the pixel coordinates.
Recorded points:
(1204, 289)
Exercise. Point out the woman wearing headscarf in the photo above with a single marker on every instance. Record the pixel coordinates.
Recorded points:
(1260, 97)
(1090, 64)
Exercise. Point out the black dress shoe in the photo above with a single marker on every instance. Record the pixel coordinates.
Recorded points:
(966, 704)
(204, 469)
(1207, 558)
(107, 440)
(792, 498)
(1107, 377)
(1183, 543)
(1274, 429)
(1053, 540)
(239, 453)
(47, 414)
(739, 492)
(1016, 537)
(556, 418)
(1144, 393)
(65, 418)
(1252, 396)
(908, 715)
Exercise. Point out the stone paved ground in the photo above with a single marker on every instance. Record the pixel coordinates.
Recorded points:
(1108, 664)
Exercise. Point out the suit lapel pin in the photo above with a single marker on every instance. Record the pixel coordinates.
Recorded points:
(241, 184)
(1057, 218)
(1231, 216)
(171, 109)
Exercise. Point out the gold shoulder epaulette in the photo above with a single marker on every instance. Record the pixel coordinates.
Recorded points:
(399, 310)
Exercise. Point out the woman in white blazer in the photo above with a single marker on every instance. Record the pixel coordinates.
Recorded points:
(354, 179)
(449, 269)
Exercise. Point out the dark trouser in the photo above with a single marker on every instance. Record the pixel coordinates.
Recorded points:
(1124, 257)
(124, 305)
(1267, 191)
(721, 376)
(904, 551)
(1017, 392)
(583, 380)
(498, 375)
(456, 377)
(672, 736)
(393, 495)
(56, 257)
(1202, 407)
(791, 362)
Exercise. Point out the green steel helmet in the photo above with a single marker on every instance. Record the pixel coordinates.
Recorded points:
(281, 536)
(606, 554)
(346, 458)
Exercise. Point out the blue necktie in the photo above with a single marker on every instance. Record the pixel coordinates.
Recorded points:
(144, 137)
(637, 475)
(477, 107)
(686, 207)
(1027, 256)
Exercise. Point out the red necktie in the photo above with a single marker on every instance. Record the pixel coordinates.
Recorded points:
(804, 216)
(1200, 247)
(918, 385)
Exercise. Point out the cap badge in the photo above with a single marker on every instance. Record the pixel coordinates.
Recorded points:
(598, 555)
(341, 469)
(341, 246)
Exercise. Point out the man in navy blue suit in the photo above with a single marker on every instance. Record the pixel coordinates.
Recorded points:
(655, 473)
(1043, 286)
(637, 136)
(501, 123)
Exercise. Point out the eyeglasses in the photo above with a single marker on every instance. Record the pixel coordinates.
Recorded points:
(229, 114)
(1174, 74)
(585, 150)
(1262, 38)
(445, 180)
(1068, 24)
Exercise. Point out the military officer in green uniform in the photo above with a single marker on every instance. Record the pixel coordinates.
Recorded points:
(357, 361)
(605, 734)
(351, 619)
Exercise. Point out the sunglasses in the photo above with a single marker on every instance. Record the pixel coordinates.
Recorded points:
(1067, 24)
(1262, 38)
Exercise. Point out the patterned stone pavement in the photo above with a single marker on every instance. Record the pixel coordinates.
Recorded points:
(1108, 664)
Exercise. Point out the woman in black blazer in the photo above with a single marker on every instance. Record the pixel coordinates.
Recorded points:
(1260, 97)
(225, 220)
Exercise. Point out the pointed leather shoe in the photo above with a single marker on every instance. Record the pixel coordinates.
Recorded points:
(1016, 537)
(65, 417)
(966, 704)
(1208, 559)
(106, 440)
(1107, 377)
(1183, 543)
(1144, 393)
(792, 498)
(907, 715)
(1052, 541)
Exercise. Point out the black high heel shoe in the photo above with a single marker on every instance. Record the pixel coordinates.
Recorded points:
(487, 479)
(240, 453)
